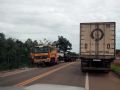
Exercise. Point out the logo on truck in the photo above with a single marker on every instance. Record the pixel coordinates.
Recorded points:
(97, 34)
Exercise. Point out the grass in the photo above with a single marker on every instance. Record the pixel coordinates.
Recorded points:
(115, 69)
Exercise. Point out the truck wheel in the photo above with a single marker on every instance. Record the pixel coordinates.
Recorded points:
(38, 65)
(47, 64)
(52, 62)
(83, 70)
(56, 62)
(32, 64)
(106, 71)
(82, 66)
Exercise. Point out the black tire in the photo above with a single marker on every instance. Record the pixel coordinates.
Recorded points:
(83, 70)
(38, 65)
(56, 62)
(52, 62)
(106, 71)
(47, 63)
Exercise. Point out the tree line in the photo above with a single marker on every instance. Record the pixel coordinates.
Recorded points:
(16, 54)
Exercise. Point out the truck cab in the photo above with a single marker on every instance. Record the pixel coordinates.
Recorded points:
(44, 54)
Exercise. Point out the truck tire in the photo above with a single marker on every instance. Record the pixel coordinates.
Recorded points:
(106, 71)
(38, 65)
(82, 67)
(47, 63)
(83, 70)
(52, 62)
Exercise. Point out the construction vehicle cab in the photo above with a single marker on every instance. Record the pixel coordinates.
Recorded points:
(44, 55)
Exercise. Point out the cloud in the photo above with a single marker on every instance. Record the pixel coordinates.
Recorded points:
(38, 19)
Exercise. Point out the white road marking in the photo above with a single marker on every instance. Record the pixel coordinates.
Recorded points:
(87, 82)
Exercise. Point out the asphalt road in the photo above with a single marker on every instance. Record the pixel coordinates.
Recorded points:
(64, 74)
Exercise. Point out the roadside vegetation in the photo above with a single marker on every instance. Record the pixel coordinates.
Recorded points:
(115, 66)
(115, 69)
(16, 54)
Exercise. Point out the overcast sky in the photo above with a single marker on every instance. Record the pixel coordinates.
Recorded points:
(38, 19)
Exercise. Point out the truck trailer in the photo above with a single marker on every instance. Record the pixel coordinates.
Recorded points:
(97, 45)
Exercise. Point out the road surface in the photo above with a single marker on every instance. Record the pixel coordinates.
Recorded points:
(63, 74)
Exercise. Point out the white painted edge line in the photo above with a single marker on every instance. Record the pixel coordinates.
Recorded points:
(87, 82)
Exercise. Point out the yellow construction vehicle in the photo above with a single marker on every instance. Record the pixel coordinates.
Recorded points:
(44, 55)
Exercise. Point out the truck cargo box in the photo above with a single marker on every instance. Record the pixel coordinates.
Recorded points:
(97, 40)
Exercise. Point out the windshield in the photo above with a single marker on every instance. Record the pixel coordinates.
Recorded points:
(41, 49)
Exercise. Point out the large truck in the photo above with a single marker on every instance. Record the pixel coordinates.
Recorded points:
(97, 45)
(44, 54)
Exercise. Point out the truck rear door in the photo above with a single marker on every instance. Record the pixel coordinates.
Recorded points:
(97, 40)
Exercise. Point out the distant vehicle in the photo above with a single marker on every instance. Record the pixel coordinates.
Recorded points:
(60, 56)
(68, 58)
(97, 45)
(44, 55)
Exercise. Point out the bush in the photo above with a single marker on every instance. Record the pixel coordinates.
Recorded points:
(115, 69)
(14, 53)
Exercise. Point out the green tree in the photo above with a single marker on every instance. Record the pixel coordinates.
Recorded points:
(63, 44)
(14, 53)
(21, 55)
(29, 43)
(2, 49)
(45, 42)
(35, 43)
(117, 51)
(10, 53)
